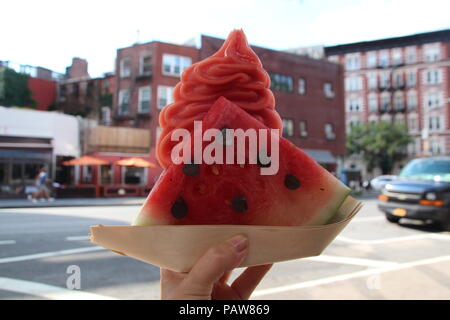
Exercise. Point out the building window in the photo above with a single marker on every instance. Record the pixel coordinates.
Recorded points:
(398, 79)
(398, 102)
(433, 100)
(328, 90)
(302, 86)
(412, 124)
(371, 60)
(385, 80)
(373, 103)
(125, 67)
(432, 54)
(385, 102)
(329, 131)
(303, 127)
(165, 96)
(353, 84)
(144, 99)
(124, 101)
(174, 65)
(433, 76)
(434, 123)
(145, 65)
(354, 105)
(436, 147)
(288, 127)
(372, 81)
(412, 100)
(397, 58)
(384, 60)
(411, 80)
(411, 55)
(281, 82)
(352, 62)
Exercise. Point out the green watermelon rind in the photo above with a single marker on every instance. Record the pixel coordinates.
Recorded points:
(332, 209)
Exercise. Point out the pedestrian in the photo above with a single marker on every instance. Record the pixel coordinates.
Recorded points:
(208, 278)
(42, 193)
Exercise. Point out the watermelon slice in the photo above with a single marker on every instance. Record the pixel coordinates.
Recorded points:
(300, 193)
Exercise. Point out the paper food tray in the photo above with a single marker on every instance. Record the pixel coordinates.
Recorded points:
(178, 247)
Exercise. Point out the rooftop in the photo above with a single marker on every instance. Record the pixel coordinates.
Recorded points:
(387, 43)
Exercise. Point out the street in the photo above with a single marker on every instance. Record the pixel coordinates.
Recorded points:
(370, 259)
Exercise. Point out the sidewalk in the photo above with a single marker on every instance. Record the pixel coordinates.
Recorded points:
(75, 202)
(125, 201)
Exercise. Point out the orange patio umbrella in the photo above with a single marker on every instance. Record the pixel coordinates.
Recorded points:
(85, 161)
(135, 162)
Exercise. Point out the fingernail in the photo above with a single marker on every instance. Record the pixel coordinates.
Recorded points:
(239, 243)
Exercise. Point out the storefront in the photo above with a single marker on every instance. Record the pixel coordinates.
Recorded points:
(30, 140)
(112, 180)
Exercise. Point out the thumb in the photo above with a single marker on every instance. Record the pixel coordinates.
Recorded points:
(212, 265)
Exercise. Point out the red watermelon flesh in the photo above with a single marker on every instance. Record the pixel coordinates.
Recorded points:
(301, 193)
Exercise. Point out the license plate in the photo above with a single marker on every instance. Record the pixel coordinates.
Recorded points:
(399, 212)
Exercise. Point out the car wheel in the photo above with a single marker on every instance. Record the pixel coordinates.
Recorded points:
(392, 218)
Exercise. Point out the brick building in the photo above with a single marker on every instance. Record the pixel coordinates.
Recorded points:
(145, 77)
(402, 79)
(79, 94)
(308, 92)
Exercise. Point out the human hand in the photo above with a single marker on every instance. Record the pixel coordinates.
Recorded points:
(208, 277)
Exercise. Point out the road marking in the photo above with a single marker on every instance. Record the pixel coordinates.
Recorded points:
(50, 254)
(358, 274)
(77, 238)
(47, 291)
(353, 261)
(395, 239)
(7, 242)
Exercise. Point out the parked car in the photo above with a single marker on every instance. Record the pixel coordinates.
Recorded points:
(421, 192)
(379, 182)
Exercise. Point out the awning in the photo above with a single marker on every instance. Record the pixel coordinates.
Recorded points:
(85, 161)
(135, 162)
(321, 156)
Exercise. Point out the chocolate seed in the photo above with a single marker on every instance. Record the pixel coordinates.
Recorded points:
(191, 169)
(239, 204)
(291, 182)
(179, 208)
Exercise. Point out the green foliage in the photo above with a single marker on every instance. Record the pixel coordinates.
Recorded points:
(380, 144)
(14, 89)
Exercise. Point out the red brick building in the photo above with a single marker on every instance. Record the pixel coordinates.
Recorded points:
(308, 92)
(402, 79)
(145, 77)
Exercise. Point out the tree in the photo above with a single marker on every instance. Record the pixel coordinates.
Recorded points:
(14, 89)
(381, 144)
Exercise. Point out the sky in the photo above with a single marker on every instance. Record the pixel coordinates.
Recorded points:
(49, 33)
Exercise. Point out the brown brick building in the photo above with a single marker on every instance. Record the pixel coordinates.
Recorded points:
(308, 92)
(79, 94)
